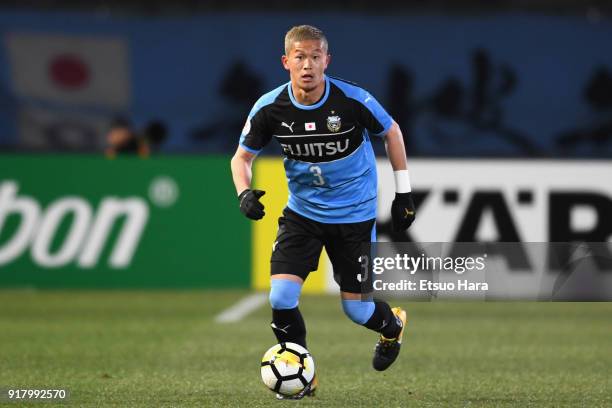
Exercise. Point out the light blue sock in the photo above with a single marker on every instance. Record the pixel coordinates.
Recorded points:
(358, 310)
(284, 293)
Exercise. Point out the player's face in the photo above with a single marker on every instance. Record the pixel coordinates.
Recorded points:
(306, 63)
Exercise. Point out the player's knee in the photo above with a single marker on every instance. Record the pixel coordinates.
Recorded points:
(358, 311)
(284, 293)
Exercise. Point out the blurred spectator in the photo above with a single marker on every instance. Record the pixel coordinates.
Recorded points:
(402, 107)
(238, 91)
(123, 139)
(597, 134)
(155, 134)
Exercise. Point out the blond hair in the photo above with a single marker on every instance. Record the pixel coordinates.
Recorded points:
(303, 33)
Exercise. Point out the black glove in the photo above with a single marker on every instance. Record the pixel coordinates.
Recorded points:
(402, 211)
(250, 205)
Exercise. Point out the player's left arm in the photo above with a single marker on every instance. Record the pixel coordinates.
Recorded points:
(373, 117)
(394, 143)
(402, 209)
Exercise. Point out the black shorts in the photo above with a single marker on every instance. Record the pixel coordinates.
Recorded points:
(300, 240)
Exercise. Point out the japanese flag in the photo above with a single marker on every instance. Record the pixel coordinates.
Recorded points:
(310, 126)
(70, 69)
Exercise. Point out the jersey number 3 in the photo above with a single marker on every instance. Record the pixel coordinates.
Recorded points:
(318, 177)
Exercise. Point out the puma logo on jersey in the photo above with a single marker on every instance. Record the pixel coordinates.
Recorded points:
(290, 127)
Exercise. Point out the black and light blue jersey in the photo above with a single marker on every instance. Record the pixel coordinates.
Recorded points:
(329, 161)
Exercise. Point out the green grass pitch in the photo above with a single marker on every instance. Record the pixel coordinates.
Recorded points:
(148, 349)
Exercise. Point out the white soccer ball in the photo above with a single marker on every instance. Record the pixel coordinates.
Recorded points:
(287, 368)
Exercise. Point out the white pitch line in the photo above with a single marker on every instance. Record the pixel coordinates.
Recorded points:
(241, 309)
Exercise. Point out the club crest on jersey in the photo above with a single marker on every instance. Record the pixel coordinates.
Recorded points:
(334, 123)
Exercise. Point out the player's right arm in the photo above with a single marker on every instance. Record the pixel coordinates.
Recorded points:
(241, 165)
(255, 135)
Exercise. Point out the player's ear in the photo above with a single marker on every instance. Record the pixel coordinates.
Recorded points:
(328, 60)
(285, 62)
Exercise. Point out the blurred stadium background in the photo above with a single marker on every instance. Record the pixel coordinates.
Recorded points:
(117, 122)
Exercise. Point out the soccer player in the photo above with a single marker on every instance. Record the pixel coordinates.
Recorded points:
(324, 126)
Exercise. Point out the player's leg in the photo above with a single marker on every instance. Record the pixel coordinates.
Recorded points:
(372, 314)
(287, 322)
(285, 289)
(379, 317)
(295, 254)
(351, 241)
